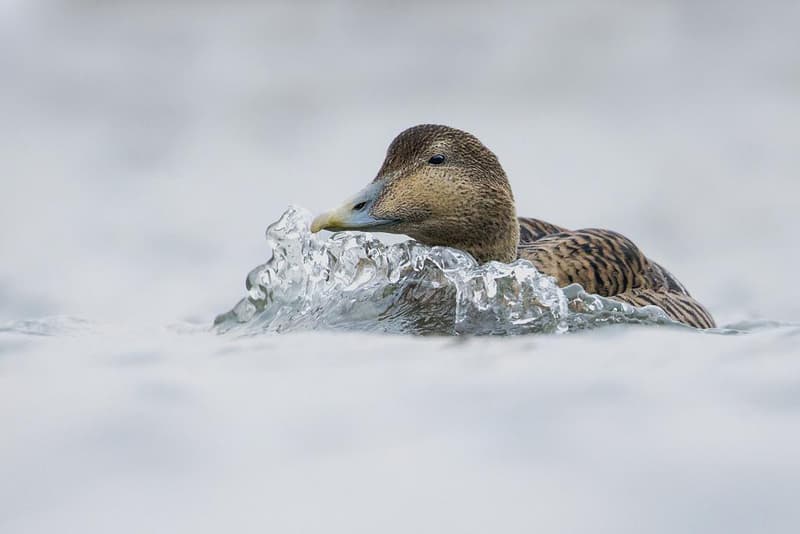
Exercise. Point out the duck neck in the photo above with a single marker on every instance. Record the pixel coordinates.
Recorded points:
(501, 244)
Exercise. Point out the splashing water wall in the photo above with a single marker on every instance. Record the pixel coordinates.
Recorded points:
(353, 281)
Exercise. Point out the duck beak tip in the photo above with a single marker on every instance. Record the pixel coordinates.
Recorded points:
(319, 223)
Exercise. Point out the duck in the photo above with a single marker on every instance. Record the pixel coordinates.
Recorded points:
(443, 187)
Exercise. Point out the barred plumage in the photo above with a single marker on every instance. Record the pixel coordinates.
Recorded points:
(608, 264)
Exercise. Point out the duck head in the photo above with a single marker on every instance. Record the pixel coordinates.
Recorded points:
(440, 186)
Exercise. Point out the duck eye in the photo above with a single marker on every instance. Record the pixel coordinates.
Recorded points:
(438, 159)
(359, 206)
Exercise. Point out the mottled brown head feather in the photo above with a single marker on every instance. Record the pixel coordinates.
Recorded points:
(463, 202)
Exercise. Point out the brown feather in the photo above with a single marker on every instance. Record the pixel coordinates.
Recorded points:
(608, 264)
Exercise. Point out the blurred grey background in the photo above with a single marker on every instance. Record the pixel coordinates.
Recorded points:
(146, 145)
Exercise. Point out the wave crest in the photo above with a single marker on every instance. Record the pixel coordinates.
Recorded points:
(353, 281)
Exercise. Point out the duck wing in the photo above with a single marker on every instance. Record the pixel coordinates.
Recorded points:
(609, 264)
(531, 230)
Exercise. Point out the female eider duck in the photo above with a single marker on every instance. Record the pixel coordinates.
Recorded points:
(442, 186)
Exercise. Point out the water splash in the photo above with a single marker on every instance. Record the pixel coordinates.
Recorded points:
(352, 281)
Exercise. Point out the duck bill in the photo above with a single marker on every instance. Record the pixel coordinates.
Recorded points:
(354, 214)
